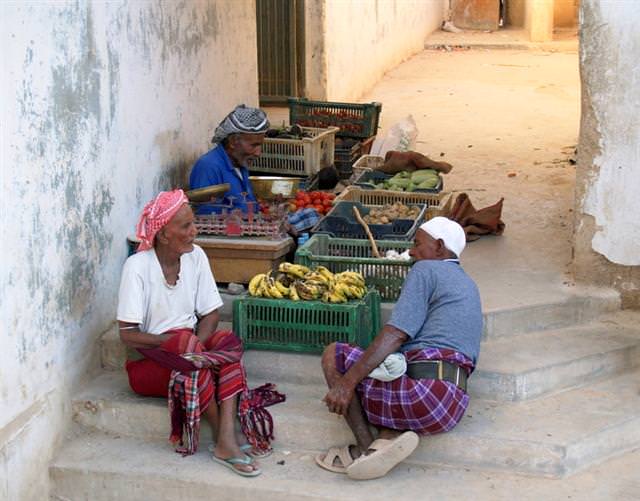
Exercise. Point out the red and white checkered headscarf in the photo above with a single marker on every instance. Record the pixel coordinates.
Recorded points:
(156, 214)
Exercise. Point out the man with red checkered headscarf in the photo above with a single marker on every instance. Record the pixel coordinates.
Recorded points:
(168, 311)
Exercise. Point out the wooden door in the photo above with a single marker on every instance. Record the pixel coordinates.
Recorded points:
(280, 29)
(476, 14)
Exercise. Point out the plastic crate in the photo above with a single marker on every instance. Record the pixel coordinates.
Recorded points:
(384, 197)
(341, 254)
(273, 226)
(345, 158)
(340, 222)
(366, 162)
(354, 120)
(373, 176)
(307, 326)
(297, 157)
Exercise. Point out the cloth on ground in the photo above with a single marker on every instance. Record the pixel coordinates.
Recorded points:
(426, 406)
(397, 161)
(476, 222)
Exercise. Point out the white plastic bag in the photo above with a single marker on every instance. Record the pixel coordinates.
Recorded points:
(402, 136)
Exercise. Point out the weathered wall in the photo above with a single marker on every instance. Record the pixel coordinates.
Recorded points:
(103, 104)
(607, 227)
(356, 41)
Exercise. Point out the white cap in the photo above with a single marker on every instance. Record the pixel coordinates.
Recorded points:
(450, 232)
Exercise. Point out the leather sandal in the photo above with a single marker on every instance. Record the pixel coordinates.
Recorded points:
(328, 459)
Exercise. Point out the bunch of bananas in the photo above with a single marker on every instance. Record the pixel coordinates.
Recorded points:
(297, 282)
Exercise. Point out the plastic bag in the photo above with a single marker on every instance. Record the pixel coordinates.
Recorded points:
(402, 136)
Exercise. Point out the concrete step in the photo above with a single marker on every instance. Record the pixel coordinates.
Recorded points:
(562, 310)
(509, 368)
(550, 436)
(99, 467)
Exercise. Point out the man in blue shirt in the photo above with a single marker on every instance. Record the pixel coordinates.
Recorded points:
(238, 140)
(411, 380)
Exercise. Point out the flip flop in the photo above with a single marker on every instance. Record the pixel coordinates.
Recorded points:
(248, 450)
(231, 462)
(327, 459)
(386, 455)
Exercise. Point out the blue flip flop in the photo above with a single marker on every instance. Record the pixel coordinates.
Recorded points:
(231, 462)
(248, 450)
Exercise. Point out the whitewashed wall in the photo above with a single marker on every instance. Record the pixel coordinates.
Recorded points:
(103, 104)
(608, 182)
(352, 43)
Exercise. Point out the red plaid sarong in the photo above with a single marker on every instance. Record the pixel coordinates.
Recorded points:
(425, 406)
(195, 377)
(190, 391)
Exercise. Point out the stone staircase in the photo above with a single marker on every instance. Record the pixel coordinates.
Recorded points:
(555, 392)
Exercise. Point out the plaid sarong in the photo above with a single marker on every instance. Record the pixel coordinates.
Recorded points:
(191, 390)
(425, 406)
(224, 355)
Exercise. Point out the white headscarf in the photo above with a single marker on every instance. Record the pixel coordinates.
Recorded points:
(450, 232)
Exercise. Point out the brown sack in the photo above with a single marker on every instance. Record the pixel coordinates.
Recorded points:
(397, 161)
(476, 222)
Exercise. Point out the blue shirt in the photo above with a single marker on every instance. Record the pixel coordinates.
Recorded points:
(439, 307)
(215, 167)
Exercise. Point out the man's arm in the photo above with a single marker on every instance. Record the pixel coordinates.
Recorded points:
(388, 341)
(131, 336)
(208, 325)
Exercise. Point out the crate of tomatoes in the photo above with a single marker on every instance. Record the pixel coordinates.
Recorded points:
(321, 201)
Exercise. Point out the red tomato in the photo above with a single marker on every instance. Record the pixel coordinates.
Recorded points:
(327, 202)
(331, 196)
(299, 204)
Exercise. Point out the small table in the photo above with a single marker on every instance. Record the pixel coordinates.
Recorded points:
(240, 259)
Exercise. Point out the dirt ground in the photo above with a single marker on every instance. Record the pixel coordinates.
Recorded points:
(508, 120)
(495, 114)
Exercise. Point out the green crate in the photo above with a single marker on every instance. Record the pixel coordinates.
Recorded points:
(341, 254)
(305, 326)
(353, 119)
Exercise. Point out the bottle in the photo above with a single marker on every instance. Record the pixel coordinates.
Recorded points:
(302, 239)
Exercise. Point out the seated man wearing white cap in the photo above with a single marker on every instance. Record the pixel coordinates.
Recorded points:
(436, 327)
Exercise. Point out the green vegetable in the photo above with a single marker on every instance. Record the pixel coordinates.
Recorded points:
(428, 184)
(423, 175)
(399, 182)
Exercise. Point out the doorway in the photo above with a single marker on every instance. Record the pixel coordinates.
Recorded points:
(281, 48)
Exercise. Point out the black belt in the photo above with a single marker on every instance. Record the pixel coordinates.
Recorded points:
(438, 369)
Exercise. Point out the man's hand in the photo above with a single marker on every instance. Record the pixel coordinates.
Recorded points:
(339, 397)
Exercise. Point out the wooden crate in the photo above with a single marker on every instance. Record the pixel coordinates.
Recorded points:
(240, 259)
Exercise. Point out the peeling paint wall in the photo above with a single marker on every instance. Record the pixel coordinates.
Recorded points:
(356, 41)
(103, 105)
(607, 228)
